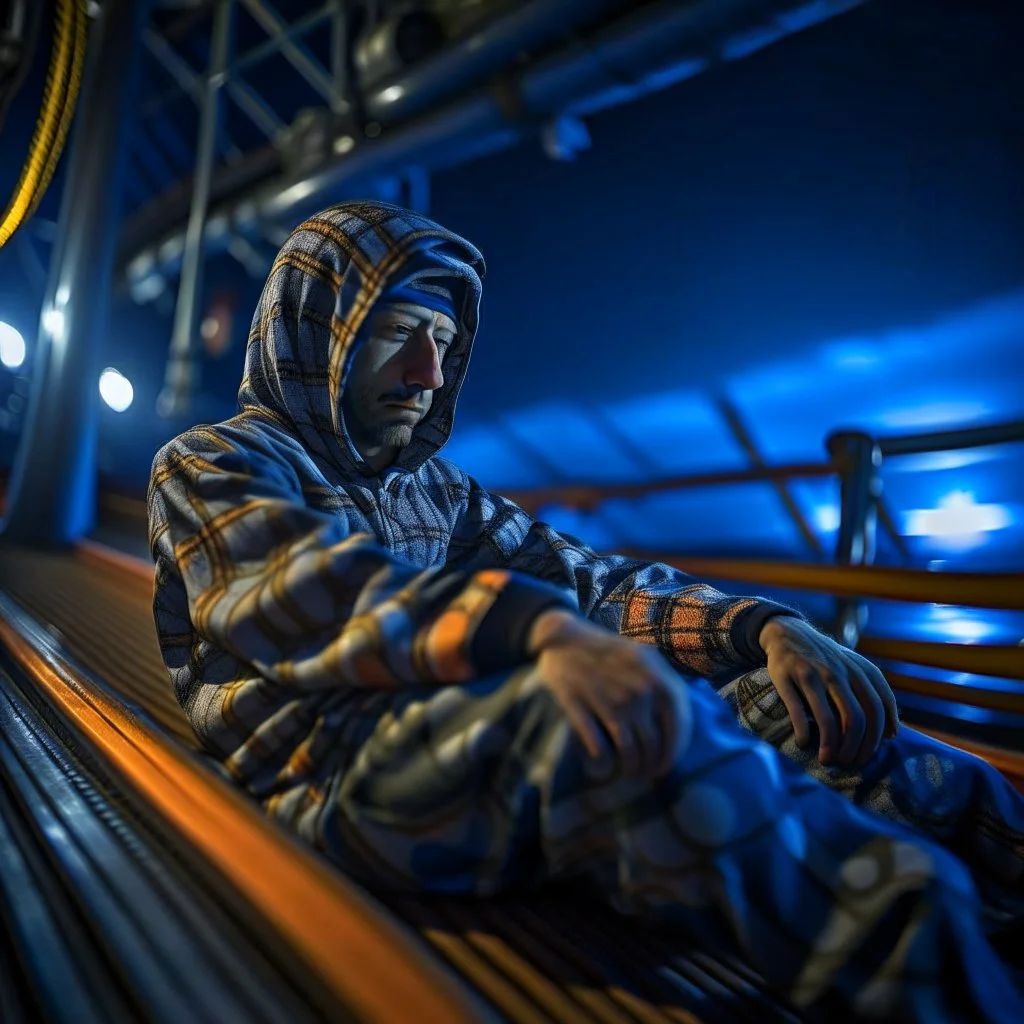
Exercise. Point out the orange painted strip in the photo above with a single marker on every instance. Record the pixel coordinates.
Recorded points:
(366, 959)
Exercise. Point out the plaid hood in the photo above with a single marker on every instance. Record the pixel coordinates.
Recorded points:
(297, 592)
(324, 283)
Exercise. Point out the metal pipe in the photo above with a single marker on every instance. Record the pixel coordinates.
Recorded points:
(888, 524)
(858, 461)
(257, 109)
(179, 69)
(182, 364)
(467, 61)
(645, 51)
(243, 62)
(52, 495)
(944, 440)
(340, 54)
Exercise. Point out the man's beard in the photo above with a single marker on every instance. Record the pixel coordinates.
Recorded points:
(389, 434)
(393, 435)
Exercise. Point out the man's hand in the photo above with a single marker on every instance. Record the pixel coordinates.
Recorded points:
(810, 669)
(601, 679)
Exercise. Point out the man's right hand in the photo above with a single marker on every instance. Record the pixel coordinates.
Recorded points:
(601, 679)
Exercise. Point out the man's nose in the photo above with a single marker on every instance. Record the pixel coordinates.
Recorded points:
(423, 369)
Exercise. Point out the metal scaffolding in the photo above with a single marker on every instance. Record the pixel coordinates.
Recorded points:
(368, 111)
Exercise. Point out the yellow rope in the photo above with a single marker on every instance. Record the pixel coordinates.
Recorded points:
(60, 94)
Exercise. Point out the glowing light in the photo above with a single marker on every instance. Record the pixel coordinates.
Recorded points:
(956, 516)
(392, 93)
(937, 414)
(53, 323)
(147, 289)
(116, 389)
(850, 354)
(826, 518)
(959, 625)
(299, 191)
(966, 630)
(926, 462)
(12, 346)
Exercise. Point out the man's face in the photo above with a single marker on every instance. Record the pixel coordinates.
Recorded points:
(393, 377)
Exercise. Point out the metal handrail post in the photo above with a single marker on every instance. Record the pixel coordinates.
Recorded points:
(858, 461)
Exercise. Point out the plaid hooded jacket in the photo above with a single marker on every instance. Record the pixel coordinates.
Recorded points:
(296, 590)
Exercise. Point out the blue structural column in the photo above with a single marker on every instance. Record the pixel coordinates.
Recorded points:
(52, 496)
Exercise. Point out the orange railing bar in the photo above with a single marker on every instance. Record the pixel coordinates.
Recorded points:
(1004, 660)
(978, 697)
(970, 589)
(1001, 660)
(587, 496)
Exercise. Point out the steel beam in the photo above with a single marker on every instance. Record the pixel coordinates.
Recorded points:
(293, 51)
(52, 495)
(642, 52)
(745, 440)
(296, 30)
(182, 364)
(248, 100)
(944, 440)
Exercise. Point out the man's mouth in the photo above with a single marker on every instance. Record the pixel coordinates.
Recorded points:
(408, 406)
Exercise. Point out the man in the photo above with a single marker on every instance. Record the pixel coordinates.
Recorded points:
(445, 695)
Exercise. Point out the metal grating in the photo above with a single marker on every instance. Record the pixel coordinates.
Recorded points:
(106, 919)
(551, 957)
(103, 615)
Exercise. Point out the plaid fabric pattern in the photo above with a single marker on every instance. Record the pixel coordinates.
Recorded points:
(314, 617)
(930, 787)
(291, 579)
(479, 788)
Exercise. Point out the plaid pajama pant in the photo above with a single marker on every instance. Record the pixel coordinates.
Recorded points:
(832, 884)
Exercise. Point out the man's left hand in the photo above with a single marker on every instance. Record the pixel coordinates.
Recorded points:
(811, 671)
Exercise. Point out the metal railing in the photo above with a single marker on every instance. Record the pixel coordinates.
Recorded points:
(856, 460)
